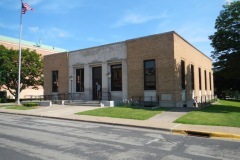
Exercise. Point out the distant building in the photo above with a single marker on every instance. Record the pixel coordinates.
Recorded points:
(162, 68)
(42, 49)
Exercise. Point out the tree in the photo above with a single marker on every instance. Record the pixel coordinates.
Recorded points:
(226, 44)
(31, 70)
(226, 41)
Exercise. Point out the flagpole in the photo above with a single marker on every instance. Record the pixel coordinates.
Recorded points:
(20, 58)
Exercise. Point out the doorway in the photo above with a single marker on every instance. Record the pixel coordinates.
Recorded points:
(97, 82)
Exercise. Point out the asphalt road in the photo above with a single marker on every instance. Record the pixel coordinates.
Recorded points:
(25, 137)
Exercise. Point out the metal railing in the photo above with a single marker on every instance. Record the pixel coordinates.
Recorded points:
(66, 96)
(33, 97)
(205, 100)
(147, 101)
(105, 96)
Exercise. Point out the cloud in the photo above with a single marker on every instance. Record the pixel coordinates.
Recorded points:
(93, 39)
(195, 32)
(35, 2)
(10, 4)
(136, 19)
(228, 1)
(52, 6)
(59, 6)
(34, 29)
(49, 33)
(9, 26)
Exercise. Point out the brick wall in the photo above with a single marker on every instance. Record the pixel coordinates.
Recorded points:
(168, 49)
(158, 47)
(53, 62)
(186, 52)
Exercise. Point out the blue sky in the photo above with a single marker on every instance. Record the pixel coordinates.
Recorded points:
(78, 24)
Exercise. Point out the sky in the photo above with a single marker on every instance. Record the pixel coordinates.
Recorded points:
(79, 24)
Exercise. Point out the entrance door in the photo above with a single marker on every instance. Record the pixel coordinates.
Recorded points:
(97, 82)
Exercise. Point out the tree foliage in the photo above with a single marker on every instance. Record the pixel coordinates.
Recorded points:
(226, 41)
(226, 54)
(31, 70)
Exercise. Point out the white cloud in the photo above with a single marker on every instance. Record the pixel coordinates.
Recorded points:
(60, 6)
(136, 19)
(34, 29)
(53, 6)
(49, 33)
(195, 32)
(228, 1)
(93, 39)
(60, 33)
(10, 4)
(9, 26)
(35, 2)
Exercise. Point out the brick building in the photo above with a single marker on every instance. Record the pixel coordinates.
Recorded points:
(42, 49)
(162, 68)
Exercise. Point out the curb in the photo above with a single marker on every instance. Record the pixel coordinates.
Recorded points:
(176, 131)
(89, 121)
(207, 134)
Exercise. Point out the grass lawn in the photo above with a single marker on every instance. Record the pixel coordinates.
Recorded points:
(226, 113)
(21, 107)
(124, 112)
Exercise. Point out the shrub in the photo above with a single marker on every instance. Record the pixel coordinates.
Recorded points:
(3, 100)
(32, 104)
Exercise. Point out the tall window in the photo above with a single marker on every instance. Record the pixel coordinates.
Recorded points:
(200, 78)
(205, 78)
(116, 77)
(149, 75)
(80, 80)
(192, 76)
(210, 81)
(54, 81)
(183, 75)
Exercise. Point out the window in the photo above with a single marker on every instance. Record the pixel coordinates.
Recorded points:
(205, 77)
(149, 75)
(80, 80)
(183, 75)
(210, 81)
(54, 81)
(192, 76)
(116, 77)
(200, 78)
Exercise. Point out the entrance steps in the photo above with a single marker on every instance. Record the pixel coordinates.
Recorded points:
(83, 103)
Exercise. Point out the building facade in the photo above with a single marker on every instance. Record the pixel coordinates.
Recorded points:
(162, 68)
(42, 49)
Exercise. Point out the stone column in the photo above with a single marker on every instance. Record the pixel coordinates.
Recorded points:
(124, 80)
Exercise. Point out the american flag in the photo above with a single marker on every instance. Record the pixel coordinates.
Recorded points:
(25, 7)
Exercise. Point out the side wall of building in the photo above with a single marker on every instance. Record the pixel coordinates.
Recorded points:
(56, 62)
(159, 48)
(183, 51)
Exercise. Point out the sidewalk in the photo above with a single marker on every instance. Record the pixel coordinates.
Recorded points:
(162, 121)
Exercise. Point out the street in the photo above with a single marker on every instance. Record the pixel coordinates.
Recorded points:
(26, 137)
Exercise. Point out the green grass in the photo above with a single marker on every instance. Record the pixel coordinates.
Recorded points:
(21, 107)
(225, 113)
(124, 112)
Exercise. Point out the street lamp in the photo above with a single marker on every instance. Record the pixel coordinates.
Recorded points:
(71, 79)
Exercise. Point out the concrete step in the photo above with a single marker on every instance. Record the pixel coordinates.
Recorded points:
(83, 103)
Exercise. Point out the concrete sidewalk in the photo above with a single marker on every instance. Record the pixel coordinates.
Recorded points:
(162, 121)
